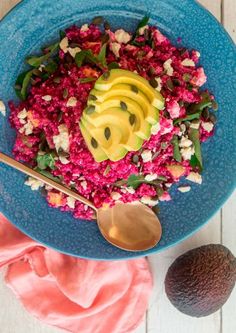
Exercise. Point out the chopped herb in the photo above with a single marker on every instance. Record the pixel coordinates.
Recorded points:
(90, 109)
(123, 106)
(102, 56)
(22, 83)
(48, 175)
(113, 65)
(187, 118)
(37, 61)
(135, 43)
(65, 93)
(153, 83)
(135, 181)
(94, 143)
(132, 119)
(175, 143)
(45, 161)
(80, 57)
(107, 133)
(97, 20)
(194, 137)
(107, 170)
(142, 23)
(205, 102)
(51, 67)
(134, 89)
(62, 34)
(87, 79)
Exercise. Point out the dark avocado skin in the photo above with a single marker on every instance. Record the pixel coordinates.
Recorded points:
(199, 282)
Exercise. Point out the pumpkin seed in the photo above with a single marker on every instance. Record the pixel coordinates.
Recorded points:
(94, 143)
(134, 89)
(123, 106)
(107, 170)
(97, 20)
(65, 93)
(90, 109)
(215, 105)
(92, 97)
(135, 159)
(59, 117)
(170, 85)
(212, 118)
(153, 83)
(106, 75)
(105, 38)
(107, 25)
(56, 80)
(151, 71)
(186, 77)
(132, 119)
(206, 114)
(156, 210)
(107, 133)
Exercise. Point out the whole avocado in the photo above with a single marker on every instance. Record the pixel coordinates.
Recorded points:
(199, 282)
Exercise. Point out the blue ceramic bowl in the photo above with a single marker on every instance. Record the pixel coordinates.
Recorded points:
(34, 23)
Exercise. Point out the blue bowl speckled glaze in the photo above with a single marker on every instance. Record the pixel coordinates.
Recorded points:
(34, 23)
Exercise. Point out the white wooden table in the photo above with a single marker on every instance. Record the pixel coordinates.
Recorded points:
(161, 316)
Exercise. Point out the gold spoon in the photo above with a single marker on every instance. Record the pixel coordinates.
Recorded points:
(128, 226)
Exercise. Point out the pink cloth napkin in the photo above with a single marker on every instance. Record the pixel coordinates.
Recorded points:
(80, 296)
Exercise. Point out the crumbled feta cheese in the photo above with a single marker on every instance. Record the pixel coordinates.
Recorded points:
(122, 36)
(86, 207)
(115, 195)
(184, 189)
(115, 48)
(187, 153)
(130, 190)
(64, 44)
(207, 126)
(188, 63)
(34, 183)
(2, 108)
(48, 187)
(64, 160)
(142, 30)
(41, 67)
(22, 114)
(71, 202)
(159, 83)
(147, 200)
(72, 101)
(27, 128)
(47, 98)
(195, 124)
(195, 177)
(174, 109)
(73, 51)
(165, 197)
(84, 28)
(22, 121)
(168, 185)
(183, 128)
(168, 68)
(151, 177)
(146, 156)
(84, 184)
(155, 128)
(62, 139)
(184, 142)
(198, 54)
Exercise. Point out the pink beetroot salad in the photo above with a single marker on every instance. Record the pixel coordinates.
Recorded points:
(58, 84)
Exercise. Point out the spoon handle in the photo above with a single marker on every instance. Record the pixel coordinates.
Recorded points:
(30, 172)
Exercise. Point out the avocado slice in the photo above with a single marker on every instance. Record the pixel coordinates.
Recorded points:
(151, 114)
(142, 128)
(119, 76)
(98, 153)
